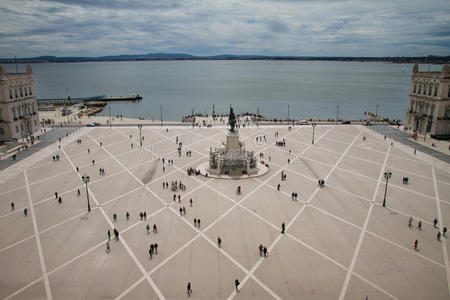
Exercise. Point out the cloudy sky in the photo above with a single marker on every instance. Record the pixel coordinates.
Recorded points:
(31, 28)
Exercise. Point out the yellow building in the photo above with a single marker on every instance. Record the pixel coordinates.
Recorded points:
(429, 102)
(19, 117)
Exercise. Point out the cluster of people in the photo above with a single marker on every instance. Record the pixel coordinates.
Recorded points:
(101, 172)
(321, 182)
(153, 250)
(55, 158)
(177, 186)
(260, 138)
(294, 196)
(143, 215)
(405, 180)
(79, 141)
(155, 229)
(189, 153)
(182, 211)
(263, 250)
(192, 171)
(283, 176)
(281, 143)
(169, 161)
(419, 227)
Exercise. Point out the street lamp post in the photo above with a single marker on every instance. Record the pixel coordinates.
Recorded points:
(140, 135)
(85, 179)
(313, 127)
(387, 175)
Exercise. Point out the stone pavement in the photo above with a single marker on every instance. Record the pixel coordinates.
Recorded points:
(340, 243)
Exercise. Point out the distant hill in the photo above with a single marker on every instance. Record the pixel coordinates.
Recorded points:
(182, 56)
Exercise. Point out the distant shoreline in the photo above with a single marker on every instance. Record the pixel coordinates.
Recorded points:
(186, 57)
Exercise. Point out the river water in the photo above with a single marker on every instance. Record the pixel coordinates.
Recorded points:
(310, 89)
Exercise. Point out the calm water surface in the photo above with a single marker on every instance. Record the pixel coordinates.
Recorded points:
(311, 89)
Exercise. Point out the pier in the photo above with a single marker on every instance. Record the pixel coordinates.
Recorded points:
(71, 101)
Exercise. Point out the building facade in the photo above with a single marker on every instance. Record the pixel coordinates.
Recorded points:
(429, 102)
(19, 117)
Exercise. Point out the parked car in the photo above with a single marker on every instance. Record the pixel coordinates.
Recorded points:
(346, 122)
(369, 123)
(93, 124)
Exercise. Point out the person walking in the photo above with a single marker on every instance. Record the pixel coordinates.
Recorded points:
(410, 221)
(219, 242)
(150, 252)
(78, 193)
(195, 222)
(145, 215)
(438, 236)
(25, 212)
(189, 290)
(265, 252)
(181, 211)
(416, 242)
(116, 234)
(419, 225)
(109, 235)
(444, 231)
(12, 206)
(198, 223)
(148, 228)
(108, 248)
(141, 215)
(435, 222)
(190, 202)
(260, 249)
(114, 217)
(184, 210)
(156, 248)
(236, 284)
(278, 187)
(155, 229)
(127, 215)
(283, 227)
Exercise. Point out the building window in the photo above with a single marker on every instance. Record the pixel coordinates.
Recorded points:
(415, 87)
(429, 90)
(29, 90)
(15, 93)
(26, 92)
(10, 94)
(448, 93)
(21, 92)
(420, 88)
(14, 113)
(33, 109)
(17, 129)
(436, 90)
(2, 132)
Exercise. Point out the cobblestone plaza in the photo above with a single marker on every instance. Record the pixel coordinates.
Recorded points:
(340, 242)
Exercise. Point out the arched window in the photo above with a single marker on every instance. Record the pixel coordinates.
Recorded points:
(429, 90)
(15, 92)
(415, 87)
(29, 90)
(436, 90)
(10, 93)
(26, 91)
(21, 92)
(13, 110)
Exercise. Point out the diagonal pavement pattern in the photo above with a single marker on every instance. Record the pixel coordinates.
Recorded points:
(340, 243)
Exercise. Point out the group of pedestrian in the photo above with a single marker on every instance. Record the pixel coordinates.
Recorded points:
(143, 215)
(238, 191)
(197, 223)
(263, 250)
(153, 250)
(101, 172)
(55, 157)
(419, 227)
(294, 195)
(182, 211)
(283, 176)
(189, 153)
(192, 171)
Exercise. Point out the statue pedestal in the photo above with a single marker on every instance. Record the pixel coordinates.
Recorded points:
(232, 144)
